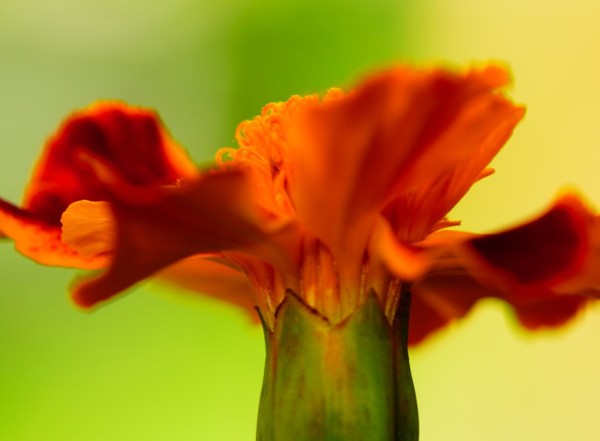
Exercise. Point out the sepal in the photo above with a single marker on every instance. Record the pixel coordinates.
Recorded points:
(338, 381)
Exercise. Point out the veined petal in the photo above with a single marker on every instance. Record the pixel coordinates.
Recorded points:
(453, 162)
(354, 154)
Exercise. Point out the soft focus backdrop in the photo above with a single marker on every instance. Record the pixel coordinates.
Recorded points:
(156, 366)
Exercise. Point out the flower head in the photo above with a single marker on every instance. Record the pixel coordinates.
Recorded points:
(330, 198)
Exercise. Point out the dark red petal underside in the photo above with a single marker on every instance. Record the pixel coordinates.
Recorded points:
(542, 252)
(550, 313)
(424, 320)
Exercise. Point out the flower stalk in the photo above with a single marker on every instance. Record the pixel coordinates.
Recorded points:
(345, 381)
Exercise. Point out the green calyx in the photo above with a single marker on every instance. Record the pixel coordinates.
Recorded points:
(338, 382)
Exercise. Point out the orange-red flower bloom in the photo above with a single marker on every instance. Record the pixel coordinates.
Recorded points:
(330, 198)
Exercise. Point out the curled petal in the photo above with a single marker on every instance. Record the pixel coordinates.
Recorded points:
(40, 241)
(158, 227)
(131, 139)
(443, 297)
(402, 260)
(546, 252)
(543, 269)
(89, 228)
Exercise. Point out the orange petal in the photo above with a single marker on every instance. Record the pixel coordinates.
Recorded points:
(452, 163)
(89, 228)
(209, 277)
(40, 241)
(401, 260)
(354, 154)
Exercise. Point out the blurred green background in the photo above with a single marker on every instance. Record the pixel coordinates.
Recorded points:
(159, 367)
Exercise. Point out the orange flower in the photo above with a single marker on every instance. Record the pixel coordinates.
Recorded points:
(329, 198)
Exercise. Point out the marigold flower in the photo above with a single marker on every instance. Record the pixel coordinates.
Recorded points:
(329, 198)
(328, 217)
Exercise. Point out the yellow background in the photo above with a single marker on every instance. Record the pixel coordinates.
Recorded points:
(160, 367)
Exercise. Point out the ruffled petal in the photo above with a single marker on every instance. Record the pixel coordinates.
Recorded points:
(443, 297)
(545, 270)
(353, 155)
(131, 139)
(447, 169)
(553, 250)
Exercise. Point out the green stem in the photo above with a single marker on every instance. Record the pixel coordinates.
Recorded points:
(338, 382)
(407, 414)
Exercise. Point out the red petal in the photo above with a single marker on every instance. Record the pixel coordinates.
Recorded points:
(543, 269)
(443, 297)
(160, 227)
(424, 321)
(544, 252)
(131, 139)
(555, 311)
